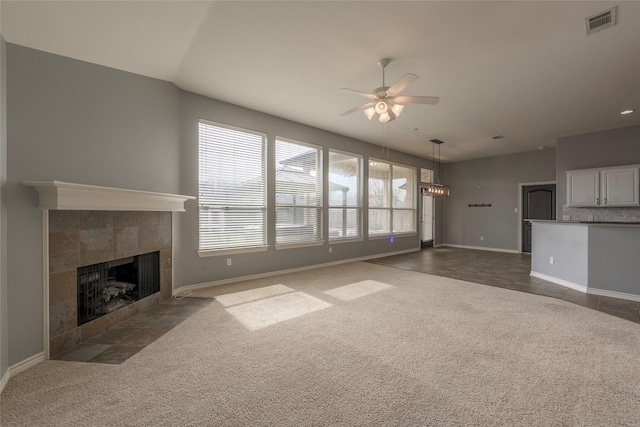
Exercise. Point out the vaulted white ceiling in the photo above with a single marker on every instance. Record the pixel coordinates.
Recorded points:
(524, 70)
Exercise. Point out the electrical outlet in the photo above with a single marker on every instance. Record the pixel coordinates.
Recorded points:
(515, 210)
(481, 237)
(228, 261)
(330, 249)
(589, 217)
(566, 217)
(550, 260)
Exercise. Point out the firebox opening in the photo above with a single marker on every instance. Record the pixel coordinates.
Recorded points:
(108, 286)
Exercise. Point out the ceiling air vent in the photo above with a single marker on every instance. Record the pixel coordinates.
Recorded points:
(601, 21)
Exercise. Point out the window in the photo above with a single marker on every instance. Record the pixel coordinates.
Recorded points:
(403, 204)
(298, 192)
(345, 202)
(232, 187)
(426, 175)
(392, 194)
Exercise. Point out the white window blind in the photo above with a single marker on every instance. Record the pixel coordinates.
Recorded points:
(379, 197)
(232, 187)
(345, 201)
(298, 192)
(404, 191)
(392, 198)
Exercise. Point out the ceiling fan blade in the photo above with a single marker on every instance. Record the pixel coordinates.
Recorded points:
(407, 99)
(359, 108)
(402, 84)
(358, 92)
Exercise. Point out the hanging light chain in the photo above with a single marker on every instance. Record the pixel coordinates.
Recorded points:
(435, 188)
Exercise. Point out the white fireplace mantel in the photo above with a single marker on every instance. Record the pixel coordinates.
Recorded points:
(57, 195)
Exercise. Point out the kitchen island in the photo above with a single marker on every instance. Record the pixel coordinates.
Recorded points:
(601, 258)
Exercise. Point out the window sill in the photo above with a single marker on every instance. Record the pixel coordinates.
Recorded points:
(395, 235)
(220, 252)
(280, 246)
(345, 240)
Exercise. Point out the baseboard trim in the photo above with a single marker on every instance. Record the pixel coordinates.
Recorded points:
(481, 248)
(26, 364)
(5, 380)
(613, 294)
(21, 367)
(562, 282)
(185, 289)
(586, 289)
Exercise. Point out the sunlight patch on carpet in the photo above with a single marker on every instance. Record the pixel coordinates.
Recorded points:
(357, 290)
(266, 312)
(252, 295)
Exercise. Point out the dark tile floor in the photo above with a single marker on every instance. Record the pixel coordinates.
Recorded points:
(122, 341)
(503, 270)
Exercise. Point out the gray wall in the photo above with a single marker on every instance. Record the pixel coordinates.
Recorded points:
(192, 270)
(73, 121)
(615, 147)
(4, 312)
(494, 181)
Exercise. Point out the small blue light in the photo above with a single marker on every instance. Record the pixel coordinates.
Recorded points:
(390, 238)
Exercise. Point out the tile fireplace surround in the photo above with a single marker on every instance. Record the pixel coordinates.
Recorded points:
(87, 224)
(79, 238)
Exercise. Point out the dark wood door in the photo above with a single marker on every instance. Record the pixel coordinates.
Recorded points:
(538, 202)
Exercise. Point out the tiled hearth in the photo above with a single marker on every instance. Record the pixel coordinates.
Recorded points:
(79, 238)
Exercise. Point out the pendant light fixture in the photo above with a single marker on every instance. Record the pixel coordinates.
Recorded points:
(437, 189)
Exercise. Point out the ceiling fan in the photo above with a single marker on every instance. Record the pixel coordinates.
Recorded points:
(385, 100)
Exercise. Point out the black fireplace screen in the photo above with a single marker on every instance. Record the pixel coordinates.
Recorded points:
(105, 287)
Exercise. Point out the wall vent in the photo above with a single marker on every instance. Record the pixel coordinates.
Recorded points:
(601, 21)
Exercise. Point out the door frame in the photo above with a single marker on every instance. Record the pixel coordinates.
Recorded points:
(433, 218)
(520, 186)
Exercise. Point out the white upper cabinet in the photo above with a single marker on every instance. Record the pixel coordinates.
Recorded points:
(618, 186)
(583, 188)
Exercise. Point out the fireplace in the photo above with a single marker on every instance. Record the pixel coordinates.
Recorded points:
(87, 225)
(108, 286)
(104, 268)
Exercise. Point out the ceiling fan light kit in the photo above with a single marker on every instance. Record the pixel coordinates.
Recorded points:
(385, 101)
(370, 112)
(397, 109)
(381, 107)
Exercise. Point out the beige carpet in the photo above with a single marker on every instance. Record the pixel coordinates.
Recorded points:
(360, 345)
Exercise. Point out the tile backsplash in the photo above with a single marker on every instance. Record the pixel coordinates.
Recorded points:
(631, 214)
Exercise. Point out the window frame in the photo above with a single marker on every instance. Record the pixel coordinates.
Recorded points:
(359, 208)
(204, 251)
(319, 207)
(389, 202)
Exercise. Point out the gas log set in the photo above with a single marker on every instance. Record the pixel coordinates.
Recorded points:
(108, 286)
